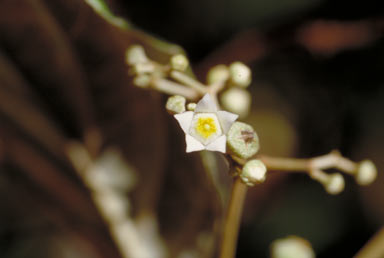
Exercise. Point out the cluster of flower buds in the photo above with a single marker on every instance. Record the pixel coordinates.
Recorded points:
(364, 172)
(150, 74)
(228, 82)
(142, 67)
(237, 77)
(206, 127)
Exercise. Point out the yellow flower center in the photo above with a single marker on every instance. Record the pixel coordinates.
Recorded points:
(206, 126)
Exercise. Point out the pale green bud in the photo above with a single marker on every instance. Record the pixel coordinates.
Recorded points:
(236, 100)
(242, 140)
(335, 184)
(176, 104)
(191, 106)
(292, 247)
(142, 80)
(366, 173)
(179, 62)
(253, 172)
(218, 74)
(240, 74)
(135, 55)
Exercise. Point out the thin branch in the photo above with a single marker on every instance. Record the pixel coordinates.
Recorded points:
(374, 248)
(173, 88)
(331, 160)
(215, 88)
(285, 164)
(232, 220)
(189, 81)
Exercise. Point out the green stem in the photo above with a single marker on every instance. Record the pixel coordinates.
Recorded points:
(374, 248)
(232, 220)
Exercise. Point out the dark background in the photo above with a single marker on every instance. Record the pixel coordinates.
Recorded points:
(334, 94)
(317, 85)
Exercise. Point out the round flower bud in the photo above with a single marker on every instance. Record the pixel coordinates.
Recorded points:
(335, 184)
(366, 172)
(176, 104)
(253, 172)
(191, 106)
(142, 80)
(179, 62)
(240, 74)
(218, 74)
(292, 247)
(242, 140)
(236, 100)
(135, 55)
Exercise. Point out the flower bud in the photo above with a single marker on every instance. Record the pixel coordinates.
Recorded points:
(218, 74)
(242, 140)
(292, 247)
(191, 106)
(366, 172)
(335, 184)
(240, 74)
(136, 55)
(179, 62)
(236, 100)
(176, 104)
(253, 172)
(142, 80)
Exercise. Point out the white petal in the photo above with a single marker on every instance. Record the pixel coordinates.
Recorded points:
(218, 145)
(206, 104)
(184, 120)
(193, 144)
(226, 120)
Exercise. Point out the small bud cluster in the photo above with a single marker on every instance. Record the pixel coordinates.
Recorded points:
(243, 144)
(209, 122)
(236, 77)
(364, 173)
(229, 83)
(206, 127)
(148, 73)
(142, 67)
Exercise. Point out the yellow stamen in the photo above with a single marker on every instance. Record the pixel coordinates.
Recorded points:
(206, 126)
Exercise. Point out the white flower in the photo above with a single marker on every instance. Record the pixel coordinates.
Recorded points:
(206, 127)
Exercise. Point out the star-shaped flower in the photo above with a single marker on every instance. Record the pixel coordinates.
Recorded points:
(206, 127)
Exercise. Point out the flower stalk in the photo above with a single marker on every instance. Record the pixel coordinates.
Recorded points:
(233, 219)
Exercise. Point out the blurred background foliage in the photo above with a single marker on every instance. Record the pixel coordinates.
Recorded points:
(317, 86)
